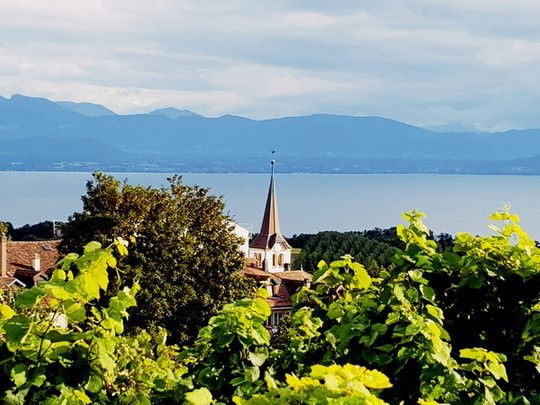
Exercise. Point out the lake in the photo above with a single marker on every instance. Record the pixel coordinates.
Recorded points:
(307, 202)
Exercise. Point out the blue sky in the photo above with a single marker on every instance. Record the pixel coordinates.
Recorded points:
(426, 62)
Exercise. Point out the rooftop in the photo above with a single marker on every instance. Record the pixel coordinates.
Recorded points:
(20, 259)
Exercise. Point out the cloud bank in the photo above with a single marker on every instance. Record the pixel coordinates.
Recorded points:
(426, 62)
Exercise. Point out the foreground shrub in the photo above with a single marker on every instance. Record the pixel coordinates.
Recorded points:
(397, 323)
(350, 339)
(58, 347)
(335, 384)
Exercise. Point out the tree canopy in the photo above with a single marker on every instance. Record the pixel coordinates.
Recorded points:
(351, 338)
(330, 244)
(183, 252)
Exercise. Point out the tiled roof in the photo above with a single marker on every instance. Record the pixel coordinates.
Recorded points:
(7, 282)
(281, 297)
(20, 257)
(278, 302)
(294, 275)
(288, 282)
(256, 273)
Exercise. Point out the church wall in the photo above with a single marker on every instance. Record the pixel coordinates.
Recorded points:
(267, 256)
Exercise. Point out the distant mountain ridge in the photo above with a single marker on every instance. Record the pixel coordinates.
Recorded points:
(174, 113)
(181, 140)
(88, 109)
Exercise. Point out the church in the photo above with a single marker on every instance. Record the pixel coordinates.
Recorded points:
(269, 260)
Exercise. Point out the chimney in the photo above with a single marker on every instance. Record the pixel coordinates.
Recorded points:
(3, 255)
(36, 263)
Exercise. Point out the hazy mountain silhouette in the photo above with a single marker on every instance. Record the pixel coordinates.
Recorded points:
(88, 109)
(174, 113)
(170, 136)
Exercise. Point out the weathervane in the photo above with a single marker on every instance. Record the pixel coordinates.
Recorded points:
(273, 162)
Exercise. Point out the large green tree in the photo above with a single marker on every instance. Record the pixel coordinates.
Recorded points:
(183, 251)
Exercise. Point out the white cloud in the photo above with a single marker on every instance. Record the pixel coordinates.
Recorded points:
(511, 53)
(421, 61)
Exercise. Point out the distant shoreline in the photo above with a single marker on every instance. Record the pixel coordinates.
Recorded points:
(411, 173)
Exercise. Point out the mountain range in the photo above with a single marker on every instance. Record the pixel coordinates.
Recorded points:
(39, 134)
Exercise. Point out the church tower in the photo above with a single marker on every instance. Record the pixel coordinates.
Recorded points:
(269, 248)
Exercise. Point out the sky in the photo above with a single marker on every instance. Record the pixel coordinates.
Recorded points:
(473, 64)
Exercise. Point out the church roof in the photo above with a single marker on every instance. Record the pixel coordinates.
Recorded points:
(270, 233)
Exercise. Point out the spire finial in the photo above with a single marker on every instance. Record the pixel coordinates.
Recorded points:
(270, 231)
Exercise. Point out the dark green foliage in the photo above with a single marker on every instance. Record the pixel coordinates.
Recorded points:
(373, 248)
(40, 231)
(184, 254)
(329, 245)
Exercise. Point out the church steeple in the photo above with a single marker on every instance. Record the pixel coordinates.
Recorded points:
(270, 224)
(270, 233)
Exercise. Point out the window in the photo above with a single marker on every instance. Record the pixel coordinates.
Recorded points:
(275, 318)
(280, 261)
(274, 259)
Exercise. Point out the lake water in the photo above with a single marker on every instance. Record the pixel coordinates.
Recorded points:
(307, 202)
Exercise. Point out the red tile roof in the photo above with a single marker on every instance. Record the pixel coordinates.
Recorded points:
(20, 257)
(294, 275)
(256, 273)
(7, 282)
(286, 282)
(278, 302)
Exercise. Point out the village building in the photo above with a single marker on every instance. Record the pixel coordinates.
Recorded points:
(24, 264)
(269, 260)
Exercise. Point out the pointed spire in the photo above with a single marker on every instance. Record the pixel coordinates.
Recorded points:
(270, 224)
(270, 233)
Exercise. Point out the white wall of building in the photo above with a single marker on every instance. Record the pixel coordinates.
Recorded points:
(275, 259)
(242, 233)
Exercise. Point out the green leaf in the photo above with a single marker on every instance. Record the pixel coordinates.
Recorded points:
(427, 292)
(435, 312)
(361, 277)
(200, 396)
(94, 384)
(497, 370)
(473, 353)
(122, 250)
(335, 310)
(252, 373)
(29, 298)
(76, 312)
(92, 247)
(387, 348)
(257, 358)
(18, 374)
(17, 328)
(6, 312)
